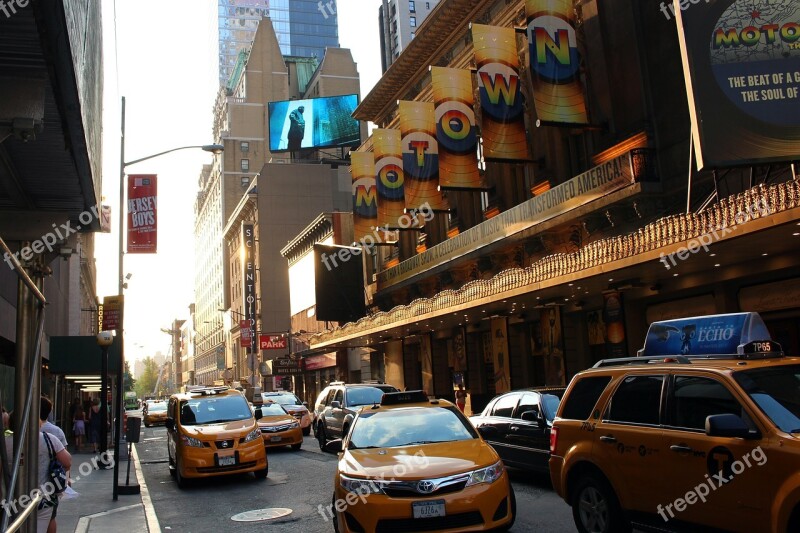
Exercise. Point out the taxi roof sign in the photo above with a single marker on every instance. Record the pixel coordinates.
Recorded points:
(704, 335)
(397, 398)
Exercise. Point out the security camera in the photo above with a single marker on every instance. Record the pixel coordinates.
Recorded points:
(105, 338)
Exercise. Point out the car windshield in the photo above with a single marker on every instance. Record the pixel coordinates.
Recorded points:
(366, 395)
(283, 399)
(550, 403)
(272, 409)
(198, 411)
(776, 390)
(157, 406)
(413, 425)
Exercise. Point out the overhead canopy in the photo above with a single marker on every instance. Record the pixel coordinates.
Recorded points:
(81, 356)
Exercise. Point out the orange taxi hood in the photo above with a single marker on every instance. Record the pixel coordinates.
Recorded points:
(276, 420)
(419, 461)
(227, 430)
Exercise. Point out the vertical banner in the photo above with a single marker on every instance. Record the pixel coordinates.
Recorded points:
(554, 372)
(502, 363)
(455, 128)
(389, 177)
(420, 156)
(249, 286)
(502, 116)
(365, 194)
(459, 351)
(142, 220)
(555, 62)
(426, 363)
(614, 317)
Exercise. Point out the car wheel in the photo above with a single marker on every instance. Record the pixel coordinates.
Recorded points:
(262, 474)
(335, 514)
(595, 508)
(307, 431)
(179, 479)
(297, 446)
(321, 436)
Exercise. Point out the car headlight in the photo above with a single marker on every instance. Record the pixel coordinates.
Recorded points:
(490, 474)
(191, 441)
(253, 435)
(294, 424)
(360, 486)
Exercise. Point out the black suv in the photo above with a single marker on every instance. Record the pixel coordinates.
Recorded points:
(338, 403)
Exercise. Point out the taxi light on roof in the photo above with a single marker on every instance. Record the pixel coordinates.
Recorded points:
(397, 398)
(759, 350)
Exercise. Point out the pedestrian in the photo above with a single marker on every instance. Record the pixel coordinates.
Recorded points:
(48, 507)
(78, 427)
(95, 424)
(297, 128)
(461, 398)
(49, 427)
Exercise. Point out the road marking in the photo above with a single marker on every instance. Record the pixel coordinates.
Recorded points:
(83, 523)
(149, 511)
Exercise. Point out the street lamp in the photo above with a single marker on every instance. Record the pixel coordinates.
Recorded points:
(213, 148)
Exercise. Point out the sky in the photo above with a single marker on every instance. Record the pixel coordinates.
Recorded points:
(161, 55)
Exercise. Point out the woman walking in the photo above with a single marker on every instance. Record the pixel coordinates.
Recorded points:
(79, 427)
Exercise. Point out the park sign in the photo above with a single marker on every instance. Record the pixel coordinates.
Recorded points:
(272, 342)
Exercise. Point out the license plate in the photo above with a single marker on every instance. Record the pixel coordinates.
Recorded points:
(227, 461)
(275, 439)
(428, 509)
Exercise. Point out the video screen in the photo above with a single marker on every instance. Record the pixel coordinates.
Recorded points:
(325, 122)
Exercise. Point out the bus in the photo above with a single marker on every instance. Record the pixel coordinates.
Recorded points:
(131, 401)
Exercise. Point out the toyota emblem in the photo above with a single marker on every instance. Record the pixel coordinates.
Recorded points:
(425, 486)
(224, 444)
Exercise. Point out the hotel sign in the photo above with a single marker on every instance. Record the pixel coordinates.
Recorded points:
(595, 183)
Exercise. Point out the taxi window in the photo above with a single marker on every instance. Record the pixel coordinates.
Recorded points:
(214, 410)
(505, 405)
(583, 397)
(363, 396)
(776, 391)
(694, 398)
(637, 400)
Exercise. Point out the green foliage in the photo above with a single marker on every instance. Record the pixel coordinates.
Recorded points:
(127, 378)
(147, 382)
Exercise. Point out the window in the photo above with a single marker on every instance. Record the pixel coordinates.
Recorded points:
(413, 34)
(695, 398)
(412, 6)
(245, 181)
(583, 397)
(637, 400)
(412, 21)
(529, 403)
(244, 146)
(505, 405)
(245, 165)
(338, 396)
(428, 6)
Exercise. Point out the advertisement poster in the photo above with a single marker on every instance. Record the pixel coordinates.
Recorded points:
(142, 219)
(502, 113)
(614, 317)
(459, 353)
(502, 363)
(426, 363)
(420, 156)
(112, 313)
(555, 62)
(455, 128)
(555, 375)
(365, 194)
(741, 62)
(389, 177)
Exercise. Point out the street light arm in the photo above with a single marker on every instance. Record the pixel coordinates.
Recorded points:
(213, 148)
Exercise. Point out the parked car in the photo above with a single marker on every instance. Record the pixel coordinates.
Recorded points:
(278, 427)
(156, 414)
(337, 405)
(517, 424)
(293, 405)
(699, 432)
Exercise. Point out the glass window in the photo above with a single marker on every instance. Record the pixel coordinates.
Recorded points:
(338, 396)
(273, 409)
(695, 398)
(412, 6)
(550, 404)
(366, 395)
(214, 410)
(776, 391)
(637, 400)
(529, 402)
(401, 427)
(428, 6)
(245, 165)
(245, 181)
(583, 397)
(245, 146)
(412, 21)
(505, 405)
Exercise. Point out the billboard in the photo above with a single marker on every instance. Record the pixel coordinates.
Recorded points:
(142, 220)
(339, 283)
(389, 177)
(741, 63)
(325, 122)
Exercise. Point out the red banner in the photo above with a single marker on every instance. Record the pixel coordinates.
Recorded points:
(272, 342)
(246, 334)
(142, 221)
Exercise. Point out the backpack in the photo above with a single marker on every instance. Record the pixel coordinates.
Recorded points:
(55, 470)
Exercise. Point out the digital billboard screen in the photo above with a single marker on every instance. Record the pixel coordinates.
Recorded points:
(325, 122)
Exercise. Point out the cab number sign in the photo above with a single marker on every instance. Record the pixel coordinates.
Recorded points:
(428, 509)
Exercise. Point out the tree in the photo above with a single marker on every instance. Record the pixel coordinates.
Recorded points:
(128, 383)
(147, 382)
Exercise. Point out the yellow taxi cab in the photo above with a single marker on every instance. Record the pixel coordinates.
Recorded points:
(701, 430)
(279, 428)
(156, 414)
(212, 431)
(414, 464)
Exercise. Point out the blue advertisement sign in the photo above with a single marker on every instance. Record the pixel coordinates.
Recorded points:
(704, 335)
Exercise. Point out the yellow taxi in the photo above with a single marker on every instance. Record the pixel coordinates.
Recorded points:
(278, 427)
(414, 464)
(702, 430)
(156, 414)
(212, 431)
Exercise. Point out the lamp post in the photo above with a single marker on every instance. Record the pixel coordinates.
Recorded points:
(213, 148)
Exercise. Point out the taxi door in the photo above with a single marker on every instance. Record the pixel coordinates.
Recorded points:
(716, 481)
(172, 414)
(627, 439)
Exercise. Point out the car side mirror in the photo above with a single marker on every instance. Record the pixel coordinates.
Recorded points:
(334, 446)
(336, 405)
(727, 425)
(259, 414)
(530, 416)
(170, 424)
(488, 432)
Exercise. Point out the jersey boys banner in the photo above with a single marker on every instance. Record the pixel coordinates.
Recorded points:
(455, 128)
(389, 177)
(365, 194)
(142, 220)
(502, 118)
(741, 62)
(420, 156)
(555, 62)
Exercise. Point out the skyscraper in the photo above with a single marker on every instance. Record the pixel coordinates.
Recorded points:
(399, 20)
(304, 28)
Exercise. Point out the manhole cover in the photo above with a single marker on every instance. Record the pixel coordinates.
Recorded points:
(258, 515)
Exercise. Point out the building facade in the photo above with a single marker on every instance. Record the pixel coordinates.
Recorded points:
(398, 21)
(562, 258)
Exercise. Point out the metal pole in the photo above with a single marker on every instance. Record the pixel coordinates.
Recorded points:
(119, 290)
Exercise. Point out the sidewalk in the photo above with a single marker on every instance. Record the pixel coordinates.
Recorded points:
(95, 511)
